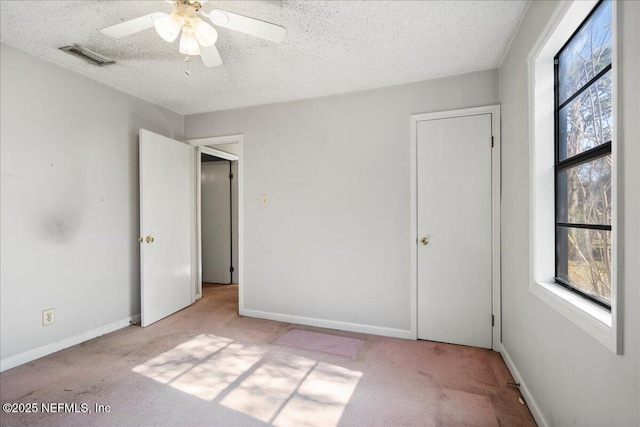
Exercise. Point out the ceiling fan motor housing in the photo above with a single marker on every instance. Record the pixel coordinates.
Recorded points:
(182, 6)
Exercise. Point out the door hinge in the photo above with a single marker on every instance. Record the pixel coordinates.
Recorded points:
(493, 320)
(230, 176)
(231, 269)
(491, 142)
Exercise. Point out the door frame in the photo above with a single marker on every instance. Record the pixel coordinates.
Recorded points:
(206, 145)
(496, 287)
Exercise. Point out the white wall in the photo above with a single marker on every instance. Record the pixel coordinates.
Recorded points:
(573, 378)
(334, 242)
(69, 201)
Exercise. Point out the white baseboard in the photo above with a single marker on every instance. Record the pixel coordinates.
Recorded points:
(37, 353)
(329, 324)
(528, 397)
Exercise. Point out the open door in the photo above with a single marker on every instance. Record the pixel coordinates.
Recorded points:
(165, 226)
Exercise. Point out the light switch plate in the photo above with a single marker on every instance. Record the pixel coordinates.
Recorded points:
(265, 200)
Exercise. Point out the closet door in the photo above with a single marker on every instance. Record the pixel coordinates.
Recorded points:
(454, 230)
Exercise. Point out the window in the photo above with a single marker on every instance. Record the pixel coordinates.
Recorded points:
(574, 174)
(583, 162)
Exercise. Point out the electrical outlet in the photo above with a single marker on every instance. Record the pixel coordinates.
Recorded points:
(48, 316)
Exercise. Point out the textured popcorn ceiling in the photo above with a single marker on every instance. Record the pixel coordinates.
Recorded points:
(331, 47)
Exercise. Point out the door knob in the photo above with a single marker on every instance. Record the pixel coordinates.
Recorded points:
(149, 239)
(424, 241)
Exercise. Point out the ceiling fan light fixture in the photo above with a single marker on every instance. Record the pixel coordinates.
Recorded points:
(204, 33)
(168, 27)
(198, 37)
(188, 42)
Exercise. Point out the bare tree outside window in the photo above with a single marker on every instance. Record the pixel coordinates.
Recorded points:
(583, 158)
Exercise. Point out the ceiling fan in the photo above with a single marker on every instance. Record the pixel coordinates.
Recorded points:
(198, 37)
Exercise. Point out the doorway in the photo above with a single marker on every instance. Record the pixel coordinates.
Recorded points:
(228, 148)
(455, 222)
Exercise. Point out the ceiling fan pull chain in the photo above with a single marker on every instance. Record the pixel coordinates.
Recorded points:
(186, 70)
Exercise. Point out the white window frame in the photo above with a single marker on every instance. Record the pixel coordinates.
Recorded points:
(603, 325)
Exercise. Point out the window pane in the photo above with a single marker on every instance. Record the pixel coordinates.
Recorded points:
(586, 261)
(585, 122)
(588, 53)
(584, 193)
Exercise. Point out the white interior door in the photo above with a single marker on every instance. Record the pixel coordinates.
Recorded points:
(165, 226)
(454, 216)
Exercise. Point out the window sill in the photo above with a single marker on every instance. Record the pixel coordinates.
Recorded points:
(590, 317)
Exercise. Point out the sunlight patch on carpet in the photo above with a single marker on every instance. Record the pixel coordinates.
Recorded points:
(264, 392)
(202, 367)
(321, 398)
(295, 391)
(279, 389)
(325, 343)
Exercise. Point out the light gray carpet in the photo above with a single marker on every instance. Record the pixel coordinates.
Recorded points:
(208, 366)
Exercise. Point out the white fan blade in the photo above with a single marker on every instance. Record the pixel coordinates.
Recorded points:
(132, 26)
(251, 26)
(210, 56)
